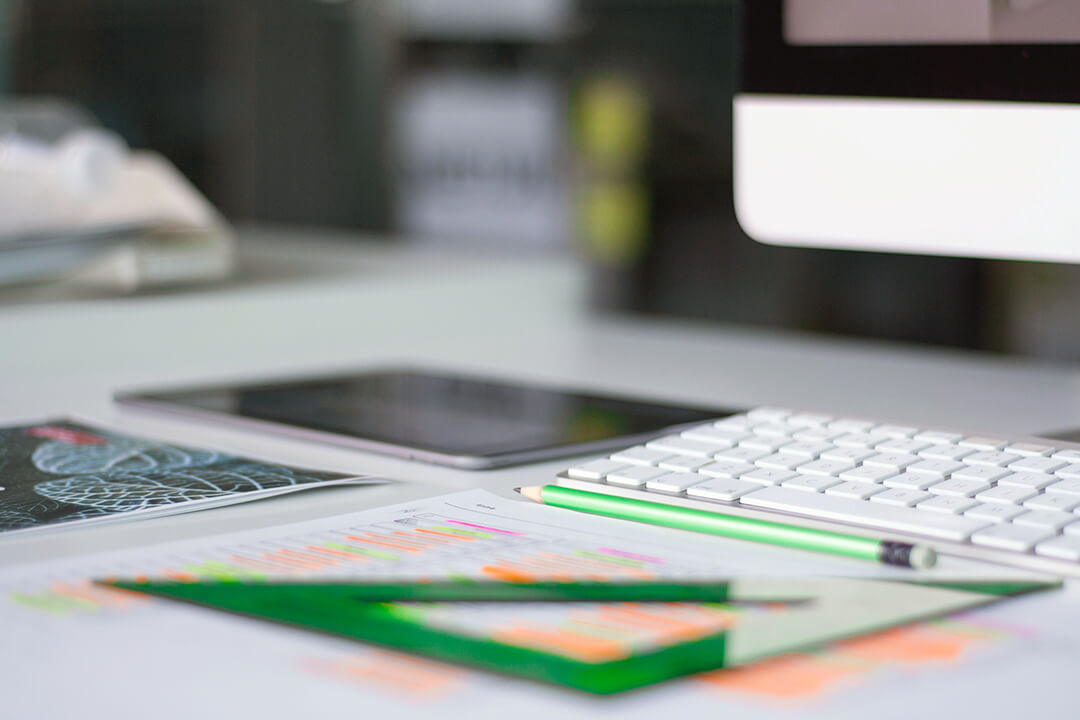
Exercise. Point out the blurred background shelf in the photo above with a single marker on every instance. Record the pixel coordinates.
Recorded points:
(467, 123)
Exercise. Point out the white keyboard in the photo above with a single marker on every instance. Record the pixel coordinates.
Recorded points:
(1010, 501)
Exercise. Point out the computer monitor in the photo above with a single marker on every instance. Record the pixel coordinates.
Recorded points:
(941, 127)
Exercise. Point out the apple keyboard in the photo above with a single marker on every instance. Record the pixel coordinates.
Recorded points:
(1015, 501)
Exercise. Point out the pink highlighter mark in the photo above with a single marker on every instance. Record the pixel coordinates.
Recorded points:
(631, 556)
(75, 437)
(483, 527)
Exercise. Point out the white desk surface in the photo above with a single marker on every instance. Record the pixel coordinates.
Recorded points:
(312, 302)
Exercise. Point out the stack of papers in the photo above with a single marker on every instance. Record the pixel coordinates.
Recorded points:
(471, 535)
(150, 227)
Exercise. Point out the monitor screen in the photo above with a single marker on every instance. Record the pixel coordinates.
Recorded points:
(941, 128)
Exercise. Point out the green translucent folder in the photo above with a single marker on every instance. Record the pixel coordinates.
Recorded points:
(595, 637)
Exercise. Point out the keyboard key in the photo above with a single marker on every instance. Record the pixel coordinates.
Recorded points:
(985, 473)
(774, 430)
(683, 463)
(1037, 464)
(1062, 548)
(911, 447)
(911, 481)
(1009, 495)
(595, 470)
(764, 444)
(675, 482)
(893, 431)
(1047, 501)
(868, 474)
(995, 459)
(851, 425)
(819, 434)
(684, 446)
(859, 512)
(767, 476)
(726, 469)
(900, 497)
(854, 454)
(825, 467)
(939, 438)
(769, 414)
(959, 487)
(1033, 480)
(809, 420)
(1011, 537)
(896, 461)
(935, 468)
(725, 437)
(949, 504)
(635, 476)
(1069, 472)
(723, 489)
(735, 423)
(640, 456)
(716, 436)
(1071, 456)
(741, 454)
(780, 461)
(854, 490)
(810, 483)
(983, 443)
(808, 450)
(856, 440)
(1046, 519)
(1065, 487)
(946, 452)
(1030, 449)
(993, 512)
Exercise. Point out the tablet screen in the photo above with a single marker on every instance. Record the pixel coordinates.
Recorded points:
(445, 414)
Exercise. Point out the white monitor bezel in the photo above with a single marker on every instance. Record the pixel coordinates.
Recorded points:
(969, 151)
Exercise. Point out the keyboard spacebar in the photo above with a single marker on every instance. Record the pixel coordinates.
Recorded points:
(861, 512)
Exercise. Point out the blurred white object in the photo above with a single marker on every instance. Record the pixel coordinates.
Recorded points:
(84, 161)
(147, 226)
(78, 205)
(44, 185)
(481, 160)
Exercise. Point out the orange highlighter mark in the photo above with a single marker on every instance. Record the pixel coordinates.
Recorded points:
(789, 677)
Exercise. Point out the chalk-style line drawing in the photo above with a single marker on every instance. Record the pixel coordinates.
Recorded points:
(118, 455)
(15, 518)
(117, 492)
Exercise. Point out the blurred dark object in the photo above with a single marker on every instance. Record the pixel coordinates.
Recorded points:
(7, 27)
(271, 107)
(697, 262)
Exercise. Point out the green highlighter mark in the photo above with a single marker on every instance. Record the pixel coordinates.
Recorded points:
(362, 551)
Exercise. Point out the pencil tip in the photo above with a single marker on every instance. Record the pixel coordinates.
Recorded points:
(517, 490)
(533, 493)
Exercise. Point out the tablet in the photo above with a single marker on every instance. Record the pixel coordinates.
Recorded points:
(465, 422)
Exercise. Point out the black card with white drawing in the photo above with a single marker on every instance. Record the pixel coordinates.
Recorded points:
(61, 472)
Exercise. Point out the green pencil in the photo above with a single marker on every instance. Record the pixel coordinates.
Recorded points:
(773, 533)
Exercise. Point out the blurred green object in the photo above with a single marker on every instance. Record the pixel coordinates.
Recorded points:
(612, 133)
